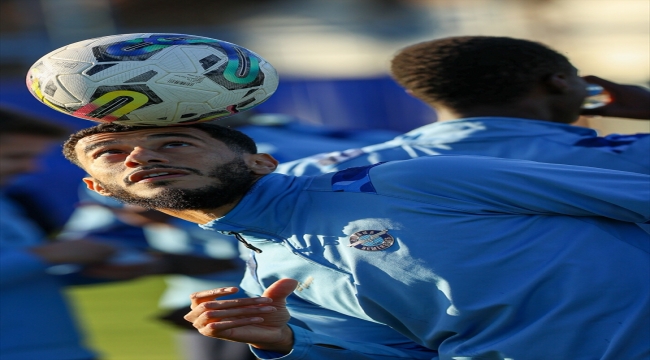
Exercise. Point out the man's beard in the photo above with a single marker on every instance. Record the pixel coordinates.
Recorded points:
(233, 181)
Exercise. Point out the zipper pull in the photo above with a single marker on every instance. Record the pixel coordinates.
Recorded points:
(243, 241)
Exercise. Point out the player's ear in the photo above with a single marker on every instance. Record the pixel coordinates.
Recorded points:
(558, 83)
(261, 164)
(93, 185)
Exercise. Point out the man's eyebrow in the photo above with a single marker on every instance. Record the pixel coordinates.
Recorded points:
(91, 147)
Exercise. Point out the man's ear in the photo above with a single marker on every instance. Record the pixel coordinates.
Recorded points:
(261, 164)
(558, 83)
(93, 185)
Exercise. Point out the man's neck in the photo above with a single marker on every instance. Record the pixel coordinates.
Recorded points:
(201, 216)
(521, 110)
(204, 216)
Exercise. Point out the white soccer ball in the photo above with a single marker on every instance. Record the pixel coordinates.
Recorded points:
(152, 79)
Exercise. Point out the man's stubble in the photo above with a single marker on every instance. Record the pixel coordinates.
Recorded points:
(232, 181)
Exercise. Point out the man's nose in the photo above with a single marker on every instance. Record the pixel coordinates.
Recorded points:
(141, 156)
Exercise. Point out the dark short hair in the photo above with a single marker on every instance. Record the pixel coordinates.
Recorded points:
(14, 121)
(460, 72)
(234, 139)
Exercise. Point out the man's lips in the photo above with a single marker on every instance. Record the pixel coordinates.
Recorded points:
(156, 174)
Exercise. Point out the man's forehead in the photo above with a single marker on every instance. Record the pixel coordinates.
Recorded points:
(140, 135)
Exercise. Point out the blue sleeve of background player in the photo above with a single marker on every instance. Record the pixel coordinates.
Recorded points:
(312, 346)
(485, 185)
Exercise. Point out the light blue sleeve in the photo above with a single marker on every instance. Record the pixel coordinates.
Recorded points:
(313, 346)
(485, 185)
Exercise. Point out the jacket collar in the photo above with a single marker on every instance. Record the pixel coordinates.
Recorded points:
(265, 209)
(499, 127)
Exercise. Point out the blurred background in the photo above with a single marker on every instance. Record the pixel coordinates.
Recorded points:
(332, 57)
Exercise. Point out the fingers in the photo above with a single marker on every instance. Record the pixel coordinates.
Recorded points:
(209, 295)
(240, 315)
(208, 306)
(220, 329)
(278, 291)
(215, 316)
(261, 321)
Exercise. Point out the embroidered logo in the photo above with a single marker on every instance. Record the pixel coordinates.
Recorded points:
(371, 240)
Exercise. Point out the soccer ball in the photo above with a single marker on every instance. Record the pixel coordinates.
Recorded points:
(152, 79)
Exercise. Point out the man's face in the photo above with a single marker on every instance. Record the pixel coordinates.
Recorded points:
(19, 154)
(164, 168)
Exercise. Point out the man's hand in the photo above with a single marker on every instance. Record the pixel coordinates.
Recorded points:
(261, 322)
(627, 101)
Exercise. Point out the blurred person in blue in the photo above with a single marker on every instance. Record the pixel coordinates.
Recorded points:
(36, 321)
(437, 257)
(145, 233)
(502, 97)
(31, 262)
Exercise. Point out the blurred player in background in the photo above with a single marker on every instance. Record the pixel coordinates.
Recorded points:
(502, 97)
(33, 263)
(35, 319)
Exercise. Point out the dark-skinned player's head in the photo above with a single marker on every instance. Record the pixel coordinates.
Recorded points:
(464, 72)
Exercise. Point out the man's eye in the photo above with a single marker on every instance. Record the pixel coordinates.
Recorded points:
(176, 144)
(107, 152)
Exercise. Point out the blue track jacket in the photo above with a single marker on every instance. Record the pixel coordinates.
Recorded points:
(455, 257)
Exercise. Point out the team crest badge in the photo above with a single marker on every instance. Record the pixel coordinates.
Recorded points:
(371, 240)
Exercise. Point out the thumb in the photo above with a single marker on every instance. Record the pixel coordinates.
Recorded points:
(281, 289)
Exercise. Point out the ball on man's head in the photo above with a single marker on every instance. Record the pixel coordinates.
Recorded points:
(152, 79)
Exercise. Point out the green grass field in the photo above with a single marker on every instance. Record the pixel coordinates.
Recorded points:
(120, 322)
